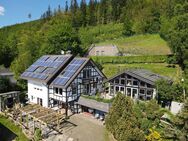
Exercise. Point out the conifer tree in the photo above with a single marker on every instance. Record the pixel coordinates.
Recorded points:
(66, 6)
(92, 16)
(83, 12)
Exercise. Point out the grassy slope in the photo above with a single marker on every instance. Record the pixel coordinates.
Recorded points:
(160, 68)
(10, 125)
(140, 45)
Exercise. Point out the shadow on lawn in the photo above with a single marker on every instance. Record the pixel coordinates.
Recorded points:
(6, 134)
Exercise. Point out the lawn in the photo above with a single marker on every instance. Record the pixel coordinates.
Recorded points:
(13, 128)
(160, 68)
(140, 45)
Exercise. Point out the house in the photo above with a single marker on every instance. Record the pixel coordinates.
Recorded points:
(136, 83)
(108, 50)
(6, 73)
(60, 80)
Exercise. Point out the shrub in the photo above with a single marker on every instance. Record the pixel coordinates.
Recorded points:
(129, 59)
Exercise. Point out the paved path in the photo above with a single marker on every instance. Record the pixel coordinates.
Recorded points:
(80, 127)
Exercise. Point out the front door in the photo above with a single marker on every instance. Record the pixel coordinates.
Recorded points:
(39, 101)
(87, 89)
(134, 93)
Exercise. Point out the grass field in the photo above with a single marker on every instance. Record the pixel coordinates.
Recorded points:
(12, 127)
(160, 68)
(140, 45)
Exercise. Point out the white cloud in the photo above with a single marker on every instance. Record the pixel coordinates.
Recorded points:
(2, 10)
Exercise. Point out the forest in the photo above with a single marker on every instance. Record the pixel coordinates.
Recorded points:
(66, 28)
(77, 26)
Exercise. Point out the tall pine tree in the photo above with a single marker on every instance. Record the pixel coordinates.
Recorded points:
(92, 15)
(83, 9)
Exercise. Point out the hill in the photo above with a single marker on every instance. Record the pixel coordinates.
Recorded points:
(149, 44)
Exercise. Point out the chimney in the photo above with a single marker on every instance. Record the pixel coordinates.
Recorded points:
(62, 52)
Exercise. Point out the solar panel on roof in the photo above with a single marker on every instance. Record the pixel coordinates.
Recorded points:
(44, 66)
(32, 68)
(69, 71)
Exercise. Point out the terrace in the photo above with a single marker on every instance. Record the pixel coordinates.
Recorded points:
(33, 116)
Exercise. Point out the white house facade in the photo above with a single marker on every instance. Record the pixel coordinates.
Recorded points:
(59, 80)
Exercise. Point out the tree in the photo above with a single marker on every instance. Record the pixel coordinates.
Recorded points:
(92, 16)
(61, 37)
(121, 120)
(27, 52)
(83, 12)
(182, 122)
(29, 15)
(127, 27)
(164, 91)
(49, 12)
(179, 127)
(5, 85)
(66, 7)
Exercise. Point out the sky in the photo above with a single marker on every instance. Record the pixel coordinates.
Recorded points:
(16, 11)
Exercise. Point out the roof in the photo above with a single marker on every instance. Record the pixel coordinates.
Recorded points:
(143, 75)
(71, 71)
(101, 106)
(5, 72)
(46, 67)
(68, 74)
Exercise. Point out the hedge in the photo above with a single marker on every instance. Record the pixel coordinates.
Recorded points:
(130, 59)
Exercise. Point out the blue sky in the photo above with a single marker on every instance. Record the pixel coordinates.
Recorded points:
(16, 11)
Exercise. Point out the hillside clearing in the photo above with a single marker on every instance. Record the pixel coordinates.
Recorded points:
(140, 45)
(161, 68)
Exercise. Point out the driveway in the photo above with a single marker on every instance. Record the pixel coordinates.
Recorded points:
(83, 127)
(80, 127)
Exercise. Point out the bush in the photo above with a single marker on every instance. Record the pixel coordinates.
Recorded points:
(129, 59)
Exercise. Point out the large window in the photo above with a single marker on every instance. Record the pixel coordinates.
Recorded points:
(128, 91)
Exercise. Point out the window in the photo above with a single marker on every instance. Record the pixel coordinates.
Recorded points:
(122, 89)
(128, 91)
(32, 98)
(129, 82)
(149, 92)
(74, 90)
(142, 84)
(135, 83)
(60, 91)
(97, 53)
(102, 53)
(117, 80)
(122, 81)
(56, 90)
(117, 89)
(142, 91)
(86, 73)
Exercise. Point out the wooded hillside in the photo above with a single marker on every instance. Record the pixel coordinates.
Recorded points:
(74, 28)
